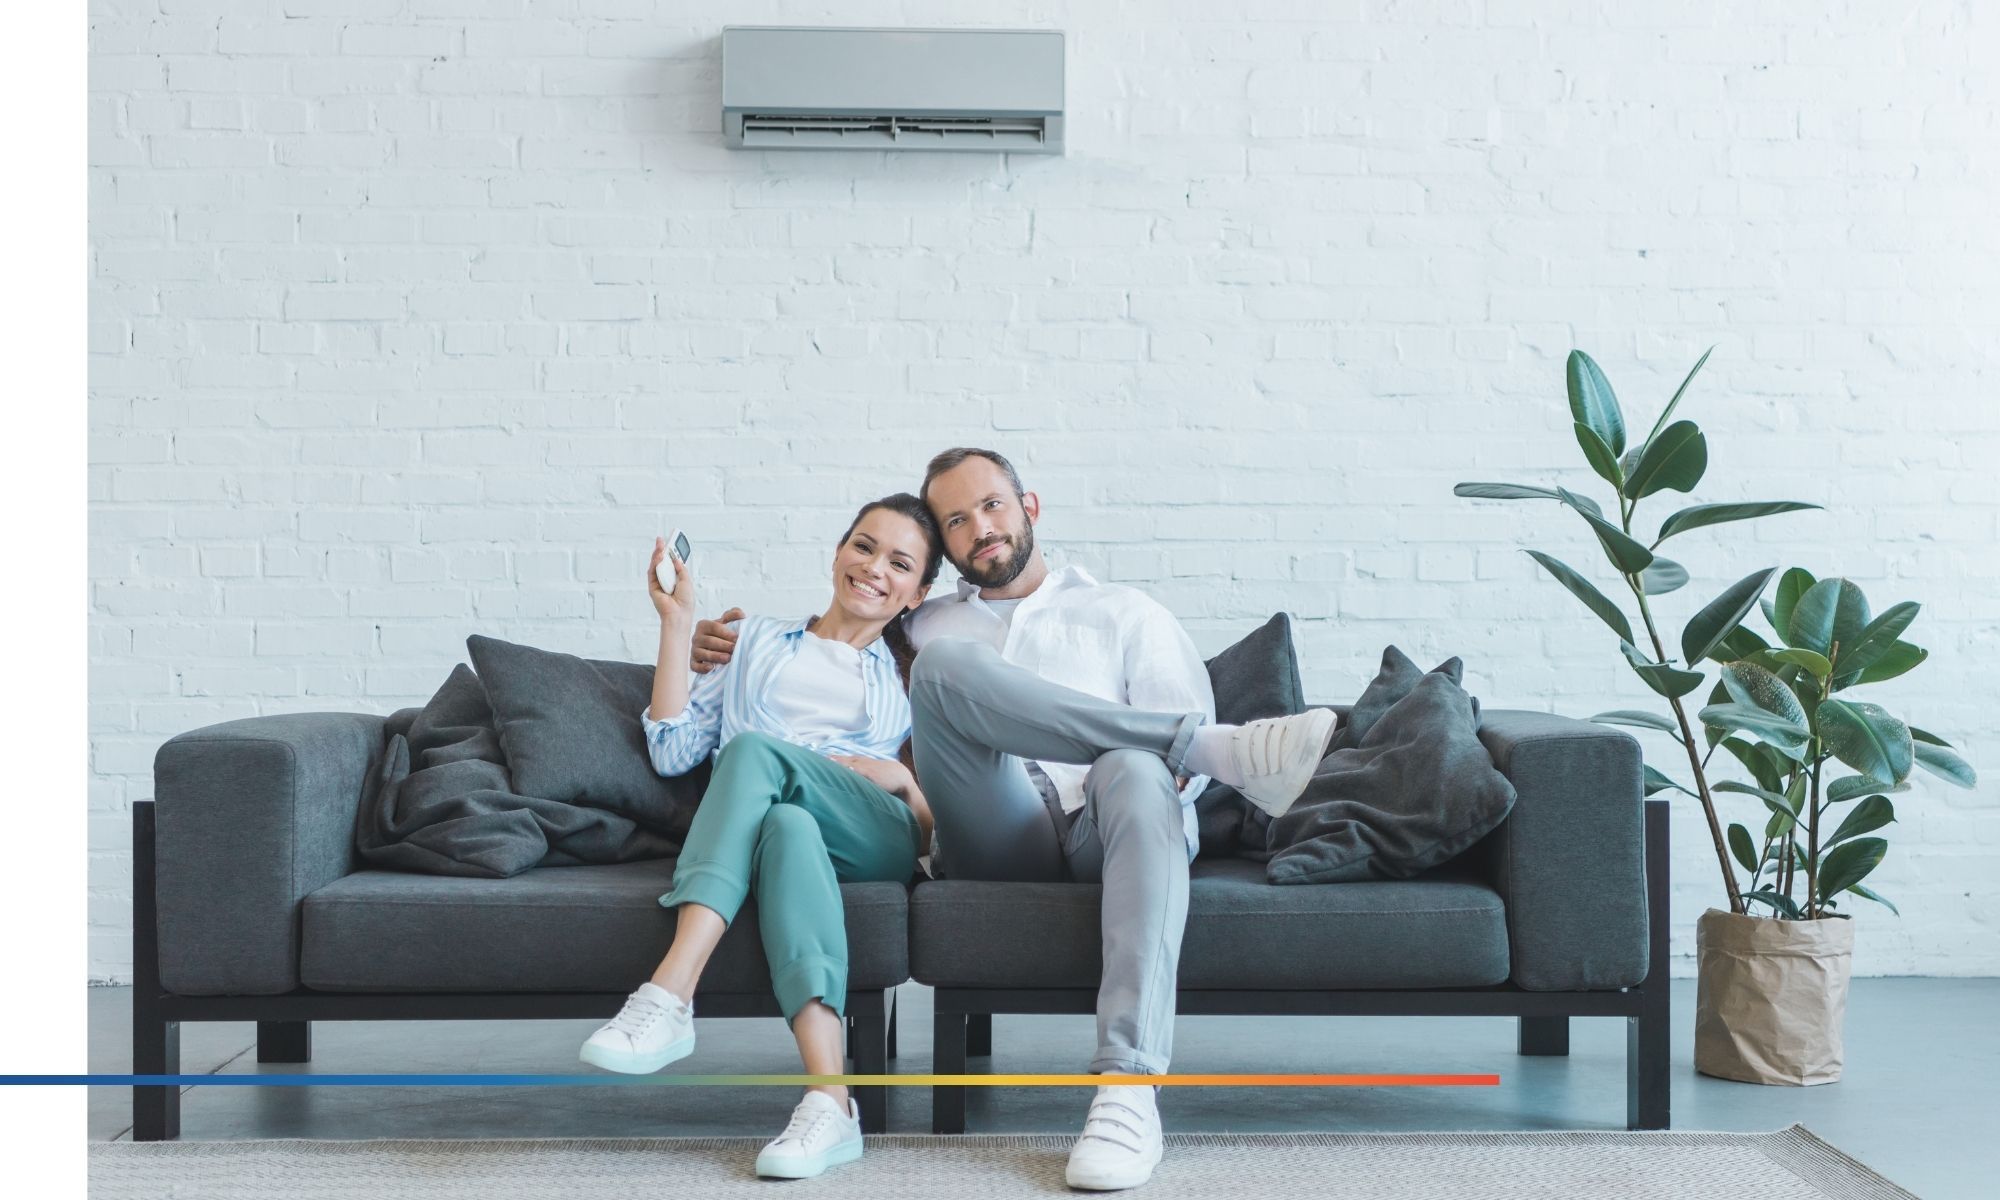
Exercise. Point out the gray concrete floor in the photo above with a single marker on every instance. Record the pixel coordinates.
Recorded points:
(1920, 1086)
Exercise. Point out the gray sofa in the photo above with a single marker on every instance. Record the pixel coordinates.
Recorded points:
(248, 906)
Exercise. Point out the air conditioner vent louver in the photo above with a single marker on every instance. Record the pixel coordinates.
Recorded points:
(768, 131)
(797, 88)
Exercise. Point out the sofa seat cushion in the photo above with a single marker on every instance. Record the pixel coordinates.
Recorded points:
(556, 929)
(1441, 930)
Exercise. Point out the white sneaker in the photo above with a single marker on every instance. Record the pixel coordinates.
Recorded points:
(654, 1028)
(819, 1135)
(1276, 757)
(1121, 1142)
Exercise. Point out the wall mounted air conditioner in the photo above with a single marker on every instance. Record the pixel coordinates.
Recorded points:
(798, 88)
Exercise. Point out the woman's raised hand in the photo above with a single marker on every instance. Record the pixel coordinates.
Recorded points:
(678, 608)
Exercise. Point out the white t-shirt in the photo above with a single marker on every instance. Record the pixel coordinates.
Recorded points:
(819, 695)
(1004, 609)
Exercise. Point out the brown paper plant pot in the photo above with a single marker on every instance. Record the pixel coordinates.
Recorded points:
(1771, 998)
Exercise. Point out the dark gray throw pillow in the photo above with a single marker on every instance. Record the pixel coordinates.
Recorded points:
(1396, 679)
(571, 732)
(1255, 678)
(1417, 790)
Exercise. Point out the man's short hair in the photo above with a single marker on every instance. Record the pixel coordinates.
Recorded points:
(957, 455)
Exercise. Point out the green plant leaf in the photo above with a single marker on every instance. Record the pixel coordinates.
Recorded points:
(1832, 611)
(1901, 658)
(1867, 738)
(1866, 817)
(1638, 717)
(1741, 846)
(1777, 900)
(1674, 459)
(1924, 735)
(1847, 787)
(1791, 585)
(1848, 864)
(1945, 764)
(1753, 761)
(1776, 827)
(1668, 681)
(1781, 822)
(1680, 391)
(1598, 455)
(1716, 514)
(1805, 659)
(1625, 552)
(1752, 685)
(1784, 809)
(1876, 639)
(1858, 890)
(1662, 577)
(1734, 786)
(1740, 642)
(1722, 614)
(1518, 491)
(1582, 589)
(1657, 782)
(1592, 403)
(1790, 739)
(1710, 734)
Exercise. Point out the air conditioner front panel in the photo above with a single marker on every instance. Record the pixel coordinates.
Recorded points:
(992, 89)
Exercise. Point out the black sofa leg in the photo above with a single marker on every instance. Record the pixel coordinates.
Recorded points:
(1648, 1087)
(948, 1058)
(156, 1041)
(1648, 1084)
(979, 1035)
(868, 1044)
(156, 1050)
(1544, 1035)
(284, 1041)
(892, 1024)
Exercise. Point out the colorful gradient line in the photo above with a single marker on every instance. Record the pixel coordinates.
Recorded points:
(1011, 1081)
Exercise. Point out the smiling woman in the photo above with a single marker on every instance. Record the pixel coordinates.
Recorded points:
(806, 725)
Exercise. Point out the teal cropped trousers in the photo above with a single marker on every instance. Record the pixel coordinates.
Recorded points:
(789, 826)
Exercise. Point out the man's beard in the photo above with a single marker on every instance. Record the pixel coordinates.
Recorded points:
(1000, 574)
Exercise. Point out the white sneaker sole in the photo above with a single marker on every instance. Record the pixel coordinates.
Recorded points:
(1109, 1178)
(807, 1166)
(627, 1062)
(1293, 785)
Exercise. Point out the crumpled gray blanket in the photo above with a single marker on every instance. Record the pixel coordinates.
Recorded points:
(1406, 786)
(440, 801)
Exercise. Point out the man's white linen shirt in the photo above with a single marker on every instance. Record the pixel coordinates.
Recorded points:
(1108, 640)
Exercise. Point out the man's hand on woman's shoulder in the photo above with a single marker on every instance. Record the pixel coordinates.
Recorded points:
(715, 642)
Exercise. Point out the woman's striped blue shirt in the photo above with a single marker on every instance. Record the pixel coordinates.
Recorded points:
(731, 700)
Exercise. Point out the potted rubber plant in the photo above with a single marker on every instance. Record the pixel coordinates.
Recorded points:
(1772, 993)
(1673, 457)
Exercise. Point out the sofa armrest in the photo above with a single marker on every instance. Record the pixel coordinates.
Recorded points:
(1569, 860)
(251, 816)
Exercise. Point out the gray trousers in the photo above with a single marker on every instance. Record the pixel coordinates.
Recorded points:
(976, 717)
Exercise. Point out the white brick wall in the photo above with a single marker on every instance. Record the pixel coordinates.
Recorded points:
(416, 318)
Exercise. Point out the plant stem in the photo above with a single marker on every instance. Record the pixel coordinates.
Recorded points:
(1812, 844)
(1818, 755)
(1695, 761)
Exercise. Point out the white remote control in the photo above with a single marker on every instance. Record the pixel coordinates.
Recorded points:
(677, 547)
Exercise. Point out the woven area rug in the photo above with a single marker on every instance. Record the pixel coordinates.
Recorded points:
(1788, 1164)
